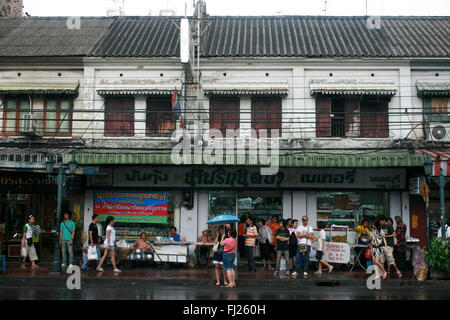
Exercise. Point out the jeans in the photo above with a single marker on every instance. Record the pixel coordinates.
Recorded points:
(66, 246)
(285, 254)
(85, 263)
(306, 258)
(251, 258)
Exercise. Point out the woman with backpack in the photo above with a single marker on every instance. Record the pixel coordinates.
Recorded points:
(265, 238)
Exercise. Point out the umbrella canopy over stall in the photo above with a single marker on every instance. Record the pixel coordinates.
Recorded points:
(223, 219)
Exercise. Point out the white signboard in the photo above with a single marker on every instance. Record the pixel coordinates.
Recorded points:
(335, 252)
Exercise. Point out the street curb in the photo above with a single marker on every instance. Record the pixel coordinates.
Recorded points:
(43, 281)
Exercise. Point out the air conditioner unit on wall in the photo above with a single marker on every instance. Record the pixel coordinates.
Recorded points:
(28, 124)
(439, 131)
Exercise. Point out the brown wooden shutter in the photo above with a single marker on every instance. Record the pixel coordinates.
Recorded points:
(266, 114)
(374, 120)
(323, 117)
(224, 113)
(119, 117)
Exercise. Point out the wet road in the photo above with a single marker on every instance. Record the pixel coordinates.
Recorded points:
(90, 292)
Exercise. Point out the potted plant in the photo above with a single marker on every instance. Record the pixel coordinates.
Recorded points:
(438, 258)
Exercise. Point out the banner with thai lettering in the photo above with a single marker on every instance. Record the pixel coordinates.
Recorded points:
(135, 207)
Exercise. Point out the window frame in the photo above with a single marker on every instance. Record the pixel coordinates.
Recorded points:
(106, 131)
(173, 122)
(58, 116)
(18, 99)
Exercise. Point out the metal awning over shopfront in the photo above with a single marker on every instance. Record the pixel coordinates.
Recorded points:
(309, 158)
(217, 87)
(352, 87)
(440, 159)
(136, 91)
(40, 88)
(134, 87)
(433, 88)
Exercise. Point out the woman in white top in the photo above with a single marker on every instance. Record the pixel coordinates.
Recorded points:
(321, 250)
(110, 243)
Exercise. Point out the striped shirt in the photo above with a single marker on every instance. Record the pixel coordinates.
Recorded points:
(251, 231)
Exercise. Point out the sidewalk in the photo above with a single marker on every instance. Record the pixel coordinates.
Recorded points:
(182, 276)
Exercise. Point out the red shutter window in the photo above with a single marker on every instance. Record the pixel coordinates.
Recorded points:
(374, 119)
(224, 114)
(266, 114)
(323, 117)
(160, 120)
(119, 117)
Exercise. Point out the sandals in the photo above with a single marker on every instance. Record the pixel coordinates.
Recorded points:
(35, 267)
(100, 270)
(218, 284)
(117, 271)
(399, 274)
(331, 269)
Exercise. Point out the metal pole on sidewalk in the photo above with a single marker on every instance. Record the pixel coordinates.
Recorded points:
(442, 183)
(56, 265)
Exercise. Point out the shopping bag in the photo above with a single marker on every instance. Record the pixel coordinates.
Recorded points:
(283, 264)
(92, 253)
(368, 254)
(24, 252)
(123, 244)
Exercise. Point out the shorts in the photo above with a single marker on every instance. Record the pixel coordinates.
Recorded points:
(217, 258)
(389, 255)
(319, 255)
(110, 247)
(228, 260)
(293, 251)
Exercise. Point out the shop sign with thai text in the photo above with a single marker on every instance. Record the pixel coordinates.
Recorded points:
(226, 177)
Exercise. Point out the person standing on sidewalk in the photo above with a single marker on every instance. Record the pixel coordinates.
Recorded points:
(377, 240)
(293, 244)
(304, 235)
(321, 249)
(229, 255)
(93, 240)
(282, 245)
(274, 226)
(264, 242)
(400, 232)
(110, 245)
(388, 249)
(250, 241)
(27, 242)
(66, 236)
(217, 259)
(241, 238)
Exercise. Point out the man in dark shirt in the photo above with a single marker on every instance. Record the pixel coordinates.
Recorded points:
(93, 241)
(282, 247)
(389, 250)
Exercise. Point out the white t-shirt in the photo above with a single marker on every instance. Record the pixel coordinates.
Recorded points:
(447, 232)
(112, 236)
(28, 229)
(304, 230)
(322, 236)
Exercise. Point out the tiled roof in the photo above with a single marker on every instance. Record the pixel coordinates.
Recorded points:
(50, 36)
(320, 36)
(267, 36)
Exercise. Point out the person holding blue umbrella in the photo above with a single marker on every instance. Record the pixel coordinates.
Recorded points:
(218, 256)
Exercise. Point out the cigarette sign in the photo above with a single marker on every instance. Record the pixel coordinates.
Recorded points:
(141, 207)
(335, 252)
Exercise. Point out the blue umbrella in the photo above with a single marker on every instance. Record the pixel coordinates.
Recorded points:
(223, 219)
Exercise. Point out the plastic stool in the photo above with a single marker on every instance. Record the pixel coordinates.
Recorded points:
(3, 258)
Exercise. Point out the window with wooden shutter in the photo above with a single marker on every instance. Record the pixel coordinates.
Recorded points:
(14, 111)
(224, 113)
(159, 119)
(323, 117)
(374, 119)
(58, 117)
(266, 114)
(119, 117)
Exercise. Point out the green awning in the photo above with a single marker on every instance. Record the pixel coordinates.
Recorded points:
(433, 88)
(41, 88)
(307, 158)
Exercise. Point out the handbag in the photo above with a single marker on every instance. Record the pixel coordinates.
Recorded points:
(368, 254)
(92, 253)
(216, 247)
(303, 248)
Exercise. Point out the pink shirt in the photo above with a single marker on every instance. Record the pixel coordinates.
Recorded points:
(229, 245)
